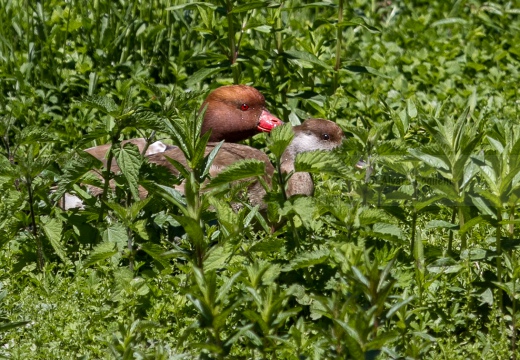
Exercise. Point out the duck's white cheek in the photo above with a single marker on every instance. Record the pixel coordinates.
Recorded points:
(307, 143)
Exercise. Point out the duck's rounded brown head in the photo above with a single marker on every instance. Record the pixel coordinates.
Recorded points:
(316, 134)
(236, 112)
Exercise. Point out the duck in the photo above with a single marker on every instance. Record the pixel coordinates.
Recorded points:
(312, 134)
(233, 113)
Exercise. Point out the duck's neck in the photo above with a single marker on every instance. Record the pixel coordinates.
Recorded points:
(287, 160)
(300, 183)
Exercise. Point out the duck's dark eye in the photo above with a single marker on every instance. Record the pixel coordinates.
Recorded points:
(325, 136)
(244, 107)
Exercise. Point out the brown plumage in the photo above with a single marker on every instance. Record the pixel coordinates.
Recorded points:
(233, 113)
(313, 134)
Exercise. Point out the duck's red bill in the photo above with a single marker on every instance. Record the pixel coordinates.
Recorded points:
(268, 121)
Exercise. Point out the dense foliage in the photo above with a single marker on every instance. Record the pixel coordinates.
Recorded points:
(414, 254)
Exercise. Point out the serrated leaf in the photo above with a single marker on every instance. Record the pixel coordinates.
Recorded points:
(249, 6)
(101, 252)
(307, 57)
(308, 259)
(365, 70)
(200, 75)
(208, 160)
(34, 135)
(436, 224)
(280, 137)
(268, 246)
(216, 257)
(388, 229)
(105, 104)
(434, 161)
(73, 172)
(192, 228)
(156, 252)
(129, 160)
(115, 234)
(319, 161)
(243, 169)
(305, 208)
(192, 6)
(53, 230)
(139, 227)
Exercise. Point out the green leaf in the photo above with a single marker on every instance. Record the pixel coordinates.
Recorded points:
(105, 104)
(308, 259)
(359, 21)
(441, 224)
(217, 257)
(129, 160)
(12, 325)
(115, 234)
(449, 21)
(268, 246)
(157, 253)
(436, 162)
(306, 57)
(280, 137)
(397, 306)
(192, 6)
(411, 109)
(208, 161)
(249, 6)
(365, 70)
(103, 251)
(192, 228)
(388, 229)
(169, 194)
(201, 75)
(223, 290)
(243, 169)
(470, 224)
(73, 171)
(53, 229)
(306, 209)
(320, 162)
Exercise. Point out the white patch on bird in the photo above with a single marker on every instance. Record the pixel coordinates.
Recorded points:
(308, 142)
(156, 147)
(72, 202)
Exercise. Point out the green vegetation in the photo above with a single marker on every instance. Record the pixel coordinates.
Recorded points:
(414, 256)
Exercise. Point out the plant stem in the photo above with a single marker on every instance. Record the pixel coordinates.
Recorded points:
(130, 249)
(414, 217)
(339, 37)
(39, 246)
(498, 235)
(463, 238)
(232, 45)
(280, 63)
(107, 175)
(513, 280)
(450, 238)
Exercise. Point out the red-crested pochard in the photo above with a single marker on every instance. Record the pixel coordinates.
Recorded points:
(313, 134)
(233, 113)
